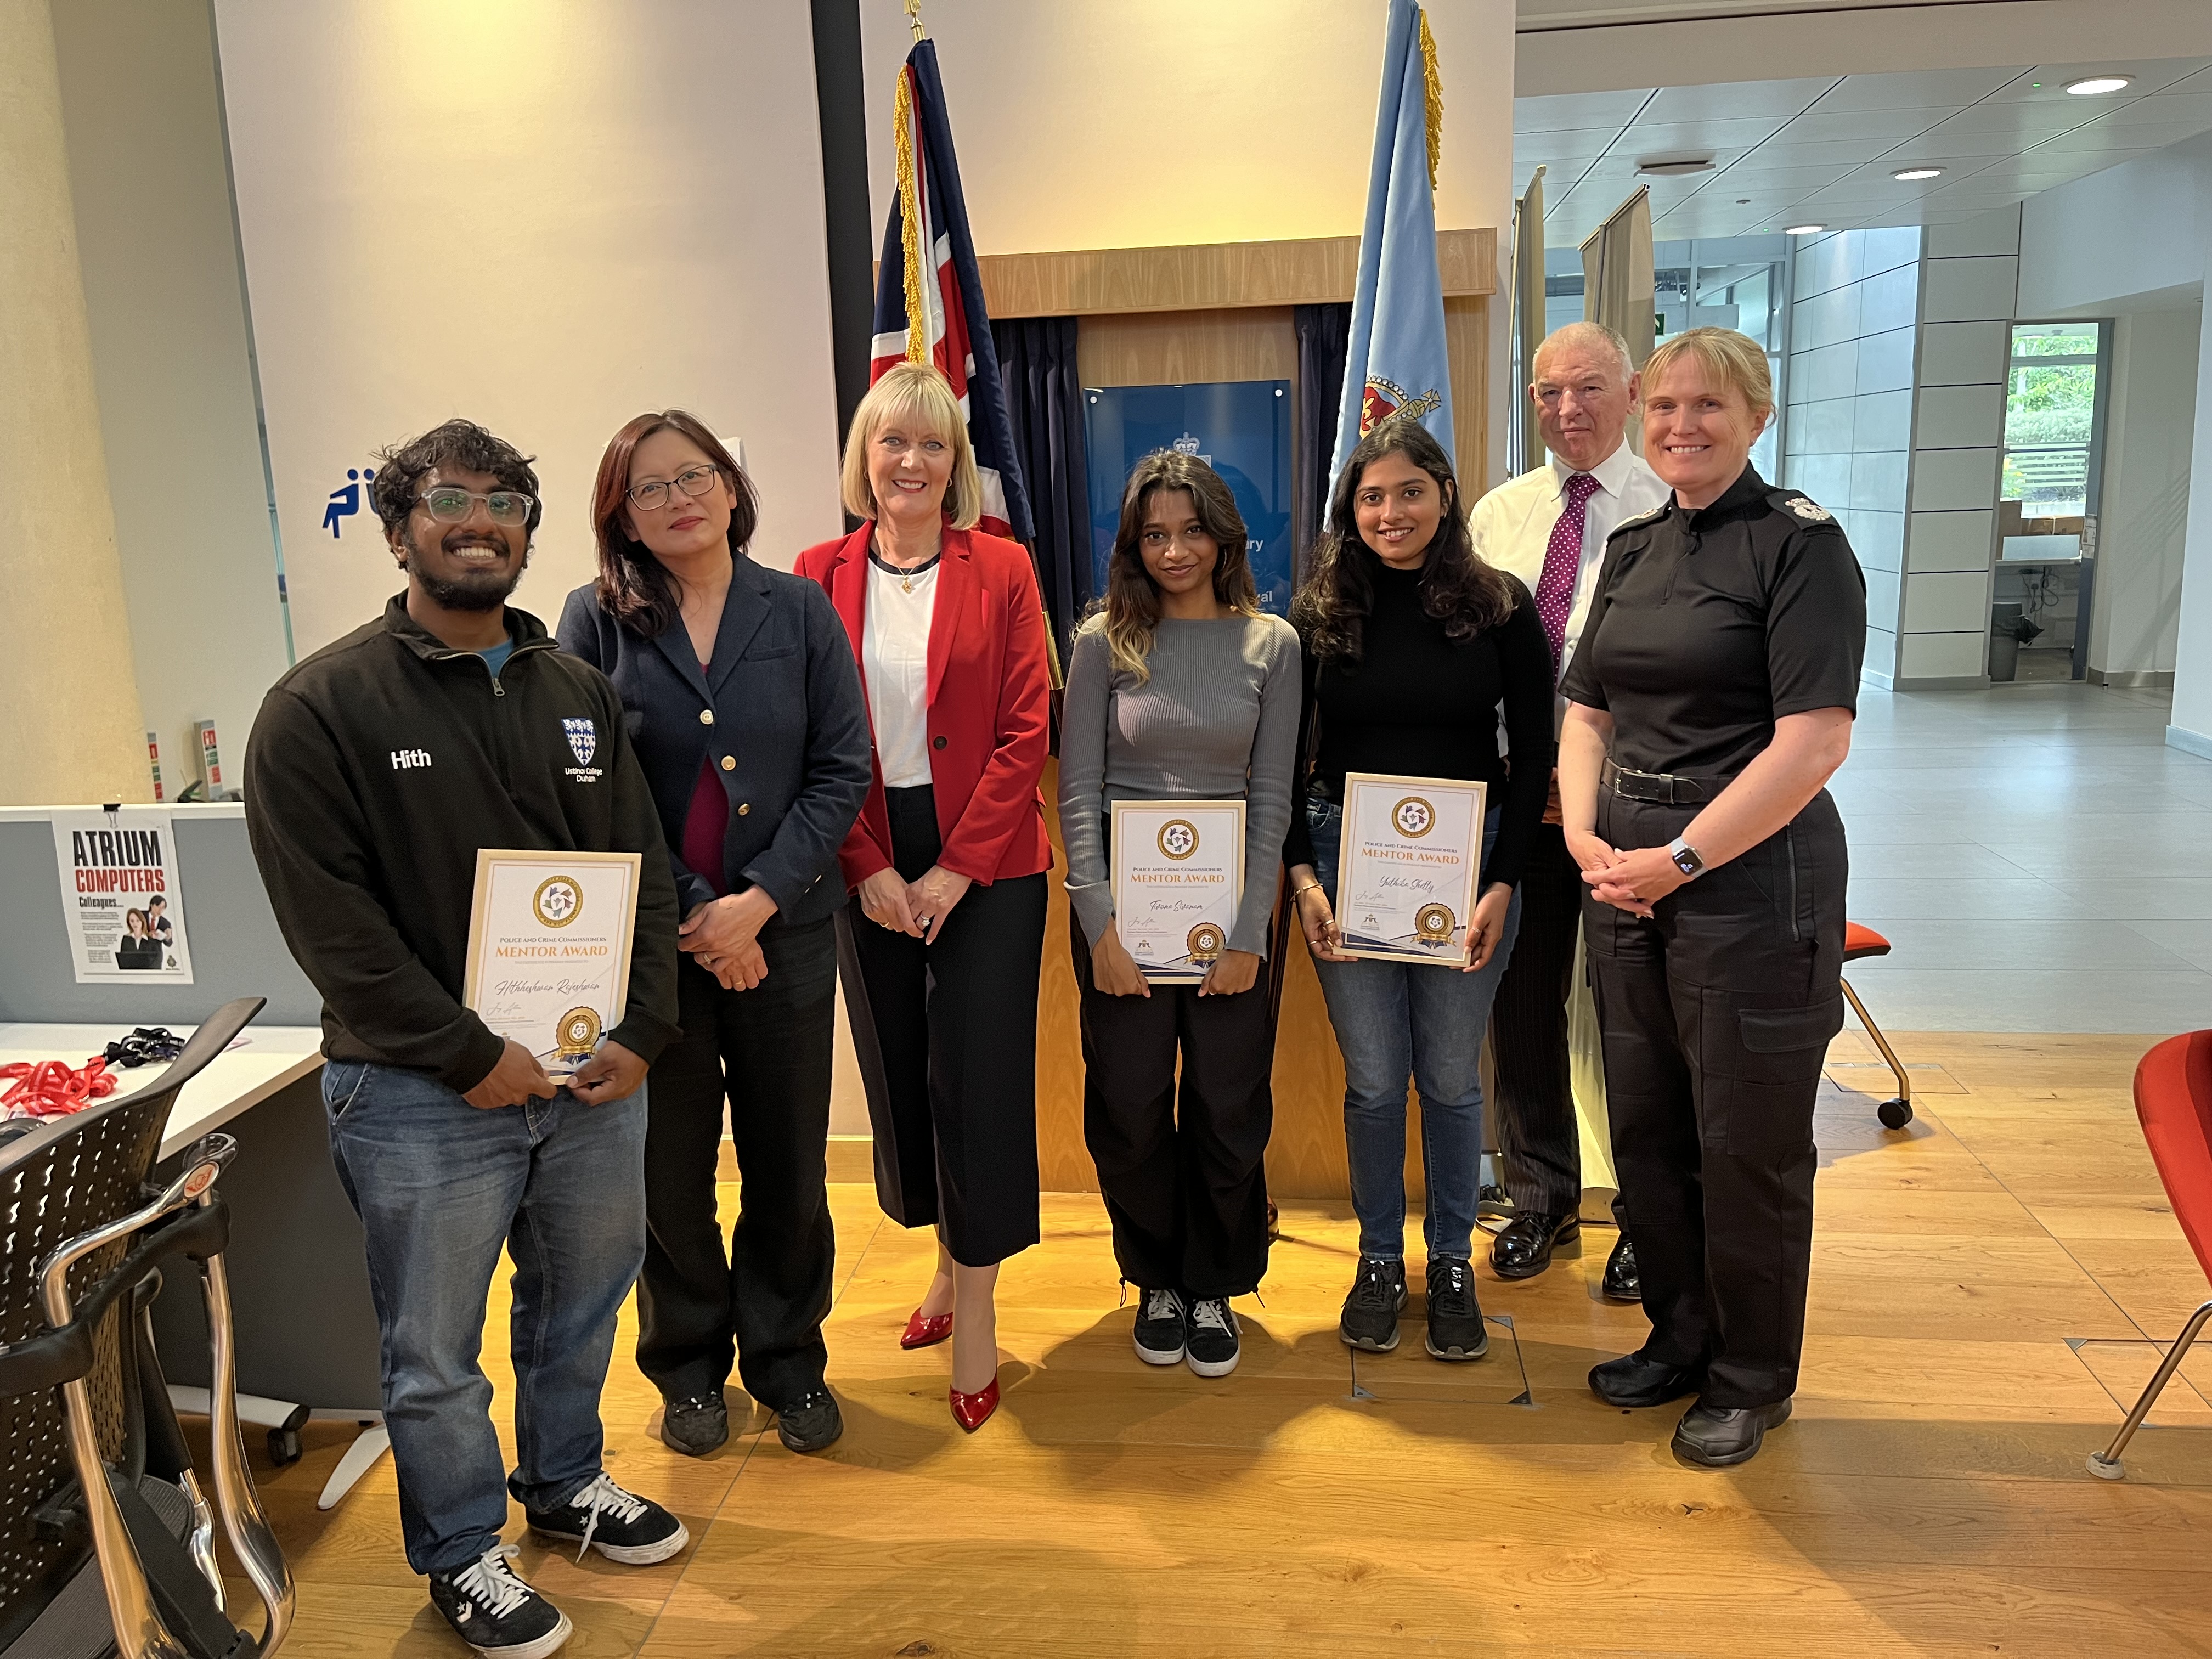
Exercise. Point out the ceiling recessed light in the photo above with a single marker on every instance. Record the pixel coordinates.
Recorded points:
(1672, 167)
(1802, 230)
(1909, 175)
(2097, 83)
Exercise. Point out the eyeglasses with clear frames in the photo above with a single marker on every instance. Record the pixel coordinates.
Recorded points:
(450, 504)
(692, 481)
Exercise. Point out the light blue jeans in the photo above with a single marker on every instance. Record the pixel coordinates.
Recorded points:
(441, 1187)
(1399, 1019)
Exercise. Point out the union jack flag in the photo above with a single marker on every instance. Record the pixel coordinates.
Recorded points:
(929, 292)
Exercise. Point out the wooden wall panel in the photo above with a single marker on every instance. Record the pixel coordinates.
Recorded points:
(1063, 1163)
(1466, 344)
(1210, 275)
(1184, 348)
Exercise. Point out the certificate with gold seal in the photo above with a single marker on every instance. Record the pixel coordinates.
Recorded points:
(1407, 874)
(549, 949)
(1178, 875)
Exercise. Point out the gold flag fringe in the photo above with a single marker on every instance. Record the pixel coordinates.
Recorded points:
(917, 319)
(1432, 87)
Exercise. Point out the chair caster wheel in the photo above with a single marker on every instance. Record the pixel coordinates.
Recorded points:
(283, 1446)
(1894, 1114)
(2114, 1470)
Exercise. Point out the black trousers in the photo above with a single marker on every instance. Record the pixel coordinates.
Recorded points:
(946, 1038)
(1716, 1017)
(766, 1053)
(1181, 1167)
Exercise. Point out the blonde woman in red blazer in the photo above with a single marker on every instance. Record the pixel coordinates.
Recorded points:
(939, 947)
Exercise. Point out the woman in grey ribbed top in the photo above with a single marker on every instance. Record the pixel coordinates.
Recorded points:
(1217, 719)
(1180, 689)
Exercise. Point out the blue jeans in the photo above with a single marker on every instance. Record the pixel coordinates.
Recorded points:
(441, 1187)
(1399, 1020)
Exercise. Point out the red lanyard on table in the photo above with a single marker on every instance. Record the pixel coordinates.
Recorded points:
(53, 1088)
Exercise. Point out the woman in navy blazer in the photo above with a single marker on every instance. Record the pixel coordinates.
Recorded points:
(940, 947)
(744, 709)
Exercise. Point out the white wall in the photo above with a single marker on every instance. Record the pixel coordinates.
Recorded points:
(1086, 123)
(547, 218)
(2138, 239)
(2143, 528)
(165, 299)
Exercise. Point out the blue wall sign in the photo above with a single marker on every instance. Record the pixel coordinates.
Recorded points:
(1241, 428)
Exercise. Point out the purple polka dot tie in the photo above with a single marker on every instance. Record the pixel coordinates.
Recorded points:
(1563, 561)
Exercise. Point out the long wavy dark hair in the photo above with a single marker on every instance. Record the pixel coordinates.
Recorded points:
(1457, 588)
(634, 587)
(1131, 608)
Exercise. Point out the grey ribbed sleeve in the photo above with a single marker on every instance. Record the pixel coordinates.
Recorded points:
(1218, 719)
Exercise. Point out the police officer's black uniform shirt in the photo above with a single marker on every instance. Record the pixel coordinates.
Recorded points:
(1708, 625)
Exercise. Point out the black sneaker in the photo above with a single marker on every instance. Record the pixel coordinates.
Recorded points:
(1370, 1319)
(809, 1422)
(698, 1425)
(1455, 1326)
(1161, 1328)
(495, 1611)
(1211, 1349)
(620, 1525)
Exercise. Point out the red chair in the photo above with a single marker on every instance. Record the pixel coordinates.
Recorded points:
(2173, 1099)
(1858, 942)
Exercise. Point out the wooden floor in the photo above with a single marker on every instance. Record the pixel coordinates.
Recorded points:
(1985, 1293)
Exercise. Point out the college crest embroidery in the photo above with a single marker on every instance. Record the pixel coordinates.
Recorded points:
(583, 739)
(1805, 509)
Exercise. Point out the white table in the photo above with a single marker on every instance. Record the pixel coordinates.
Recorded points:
(263, 1061)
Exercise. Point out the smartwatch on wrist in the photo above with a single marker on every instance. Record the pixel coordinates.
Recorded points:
(1685, 858)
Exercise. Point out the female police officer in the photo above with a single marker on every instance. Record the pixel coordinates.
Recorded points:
(1711, 698)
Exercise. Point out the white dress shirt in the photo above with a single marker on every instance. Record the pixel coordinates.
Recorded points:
(895, 662)
(1512, 526)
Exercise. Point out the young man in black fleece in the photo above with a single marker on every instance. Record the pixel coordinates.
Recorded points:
(376, 770)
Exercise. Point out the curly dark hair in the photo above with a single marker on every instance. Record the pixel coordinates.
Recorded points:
(1130, 609)
(401, 469)
(636, 588)
(1457, 588)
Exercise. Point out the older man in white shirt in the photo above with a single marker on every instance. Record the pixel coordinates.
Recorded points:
(1548, 527)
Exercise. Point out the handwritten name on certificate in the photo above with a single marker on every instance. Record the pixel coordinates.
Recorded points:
(549, 949)
(1406, 878)
(1178, 874)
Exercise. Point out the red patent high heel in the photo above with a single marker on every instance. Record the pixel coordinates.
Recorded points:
(925, 1333)
(971, 1411)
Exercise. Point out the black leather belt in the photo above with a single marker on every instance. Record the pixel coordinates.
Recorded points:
(1668, 788)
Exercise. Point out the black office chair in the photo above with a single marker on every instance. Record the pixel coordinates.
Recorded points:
(107, 1545)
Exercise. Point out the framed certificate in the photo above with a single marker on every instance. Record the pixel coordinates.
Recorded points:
(549, 949)
(1406, 875)
(1178, 876)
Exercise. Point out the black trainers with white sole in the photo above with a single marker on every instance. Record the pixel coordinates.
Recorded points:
(1455, 1327)
(620, 1525)
(1162, 1327)
(495, 1611)
(1377, 1297)
(1211, 1349)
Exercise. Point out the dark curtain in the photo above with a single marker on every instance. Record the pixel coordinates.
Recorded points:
(1324, 333)
(1044, 405)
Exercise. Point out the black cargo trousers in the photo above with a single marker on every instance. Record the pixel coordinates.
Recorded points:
(1717, 1015)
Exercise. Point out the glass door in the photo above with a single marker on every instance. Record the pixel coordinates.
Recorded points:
(2053, 467)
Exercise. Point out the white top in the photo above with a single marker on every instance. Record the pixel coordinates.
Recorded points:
(263, 1059)
(1512, 527)
(895, 663)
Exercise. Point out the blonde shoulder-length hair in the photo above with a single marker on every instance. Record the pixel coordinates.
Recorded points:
(917, 396)
(1736, 361)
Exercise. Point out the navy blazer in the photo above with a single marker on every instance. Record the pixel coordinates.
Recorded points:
(779, 711)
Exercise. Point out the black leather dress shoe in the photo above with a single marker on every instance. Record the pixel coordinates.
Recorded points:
(1621, 1283)
(1524, 1248)
(1719, 1438)
(809, 1422)
(1631, 1380)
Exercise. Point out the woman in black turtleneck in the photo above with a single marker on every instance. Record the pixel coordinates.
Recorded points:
(1412, 647)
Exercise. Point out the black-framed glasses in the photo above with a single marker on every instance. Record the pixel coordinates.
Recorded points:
(450, 504)
(692, 481)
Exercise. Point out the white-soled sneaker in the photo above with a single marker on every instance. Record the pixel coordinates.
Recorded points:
(1161, 1326)
(1212, 1348)
(620, 1525)
(495, 1611)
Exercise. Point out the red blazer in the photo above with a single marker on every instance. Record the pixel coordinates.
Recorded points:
(989, 703)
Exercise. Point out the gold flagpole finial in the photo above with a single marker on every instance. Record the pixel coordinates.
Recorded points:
(914, 18)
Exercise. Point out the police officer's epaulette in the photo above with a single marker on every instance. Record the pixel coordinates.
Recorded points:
(1640, 519)
(1801, 507)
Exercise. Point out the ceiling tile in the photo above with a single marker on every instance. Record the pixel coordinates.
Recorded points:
(1589, 141)
(1699, 135)
(1821, 122)
(2017, 125)
(1918, 88)
(1562, 111)
(2195, 107)
(1735, 100)
(1780, 151)
(1749, 175)
(2149, 75)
